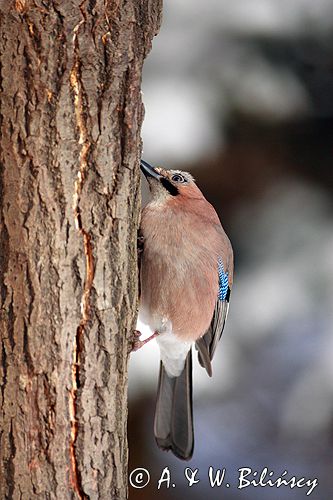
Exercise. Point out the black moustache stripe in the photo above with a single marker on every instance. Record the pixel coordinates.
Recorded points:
(169, 187)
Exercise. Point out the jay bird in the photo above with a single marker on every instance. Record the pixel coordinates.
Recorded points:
(186, 273)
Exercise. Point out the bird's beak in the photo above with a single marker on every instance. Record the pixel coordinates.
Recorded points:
(149, 171)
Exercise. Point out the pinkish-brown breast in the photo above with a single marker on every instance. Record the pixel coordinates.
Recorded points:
(179, 277)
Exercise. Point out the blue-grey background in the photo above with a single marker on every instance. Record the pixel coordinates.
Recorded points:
(241, 94)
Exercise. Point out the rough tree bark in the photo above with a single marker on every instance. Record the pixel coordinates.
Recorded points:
(70, 121)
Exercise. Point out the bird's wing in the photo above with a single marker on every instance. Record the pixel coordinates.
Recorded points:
(206, 344)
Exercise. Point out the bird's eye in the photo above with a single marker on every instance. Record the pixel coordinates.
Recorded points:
(178, 178)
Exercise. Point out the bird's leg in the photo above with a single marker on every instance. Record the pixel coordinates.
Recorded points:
(137, 343)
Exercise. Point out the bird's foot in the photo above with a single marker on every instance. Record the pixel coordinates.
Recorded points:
(137, 343)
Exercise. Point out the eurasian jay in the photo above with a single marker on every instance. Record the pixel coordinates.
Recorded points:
(186, 273)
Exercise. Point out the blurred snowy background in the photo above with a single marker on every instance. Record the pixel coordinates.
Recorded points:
(241, 94)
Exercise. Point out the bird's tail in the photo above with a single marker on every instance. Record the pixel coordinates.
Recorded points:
(173, 425)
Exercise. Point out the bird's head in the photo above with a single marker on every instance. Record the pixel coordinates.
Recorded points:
(171, 185)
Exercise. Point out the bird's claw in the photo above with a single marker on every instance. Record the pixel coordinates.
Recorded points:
(137, 343)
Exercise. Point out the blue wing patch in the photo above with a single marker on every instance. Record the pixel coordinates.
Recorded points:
(223, 281)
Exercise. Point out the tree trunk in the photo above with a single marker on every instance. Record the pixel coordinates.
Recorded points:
(70, 121)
